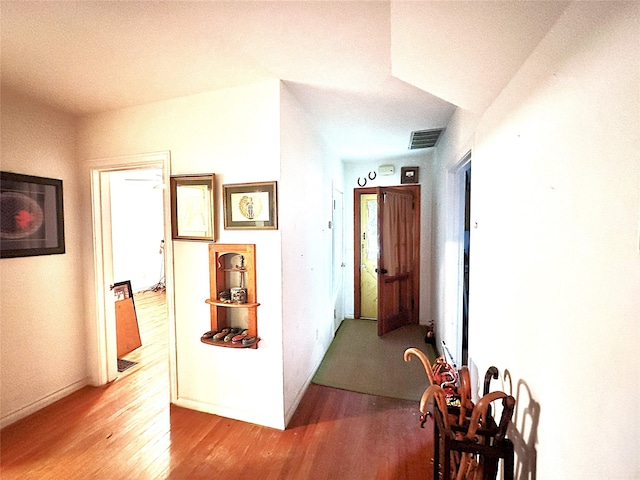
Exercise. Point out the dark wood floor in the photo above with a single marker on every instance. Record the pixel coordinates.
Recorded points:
(128, 430)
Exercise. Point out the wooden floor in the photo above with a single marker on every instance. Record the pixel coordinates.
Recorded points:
(128, 430)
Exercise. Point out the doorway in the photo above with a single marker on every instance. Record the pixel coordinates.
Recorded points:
(110, 236)
(465, 175)
(137, 227)
(369, 256)
(387, 255)
(337, 251)
(137, 239)
(458, 262)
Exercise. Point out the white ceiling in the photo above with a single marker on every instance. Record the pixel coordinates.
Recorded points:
(367, 72)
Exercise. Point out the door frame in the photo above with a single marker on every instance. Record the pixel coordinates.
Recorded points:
(454, 266)
(104, 314)
(364, 198)
(337, 246)
(357, 233)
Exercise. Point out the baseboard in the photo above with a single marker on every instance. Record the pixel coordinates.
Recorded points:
(235, 414)
(40, 404)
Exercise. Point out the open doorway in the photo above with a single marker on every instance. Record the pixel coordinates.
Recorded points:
(137, 227)
(368, 256)
(137, 239)
(387, 255)
(465, 177)
(128, 194)
(459, 259)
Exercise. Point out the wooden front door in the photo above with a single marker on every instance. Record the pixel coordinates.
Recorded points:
(398, 286)
(399, 257)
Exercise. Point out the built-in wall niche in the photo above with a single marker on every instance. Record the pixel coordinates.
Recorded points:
(233, 299)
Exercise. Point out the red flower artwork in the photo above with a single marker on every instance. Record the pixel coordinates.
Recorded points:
(24, 219)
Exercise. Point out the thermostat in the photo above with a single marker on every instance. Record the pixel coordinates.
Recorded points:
(386, 169)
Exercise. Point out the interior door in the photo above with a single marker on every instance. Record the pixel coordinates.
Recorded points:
(399, 257)
(337, 246)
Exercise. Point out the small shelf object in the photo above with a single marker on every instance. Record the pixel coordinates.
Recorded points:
(232, 296)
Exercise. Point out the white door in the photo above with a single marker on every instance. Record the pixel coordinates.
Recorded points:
(337, 274)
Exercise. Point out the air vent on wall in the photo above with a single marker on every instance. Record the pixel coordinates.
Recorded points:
(424, 138)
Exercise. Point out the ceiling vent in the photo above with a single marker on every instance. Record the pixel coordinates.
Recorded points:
(424, 138)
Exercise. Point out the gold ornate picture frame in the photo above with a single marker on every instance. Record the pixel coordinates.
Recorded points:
(193, 207)
(251, 206)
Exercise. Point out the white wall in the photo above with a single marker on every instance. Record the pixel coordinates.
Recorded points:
(446, 250)
(555, 263)
(42, 349)
(359, 171)
(305, 198)
(137, 223)
(233, 133)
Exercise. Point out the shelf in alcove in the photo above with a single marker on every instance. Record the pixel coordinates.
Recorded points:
(224, 344)
(232, 265)
(218, 303)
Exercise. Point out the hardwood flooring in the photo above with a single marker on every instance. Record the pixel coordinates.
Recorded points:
(128, 430)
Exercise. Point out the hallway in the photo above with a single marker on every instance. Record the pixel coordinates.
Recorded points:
(127, 430)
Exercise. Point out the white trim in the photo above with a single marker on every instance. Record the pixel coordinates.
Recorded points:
(105, 339)
(454, 276)
(107, 371)
(224, 411)
(337, 247)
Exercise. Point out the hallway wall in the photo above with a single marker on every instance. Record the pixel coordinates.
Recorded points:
(206, 133)
(42, 345)
(555, 260)
(307, 173)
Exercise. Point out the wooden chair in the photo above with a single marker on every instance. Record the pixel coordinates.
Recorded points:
(487, 438)
(423, 359)
(472, 443)
(440, 373)
(472, 449)
(435, 395)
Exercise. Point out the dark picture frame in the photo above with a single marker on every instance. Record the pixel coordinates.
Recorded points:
(409, 174)
(122, 290)
(32, 216)
(251, 206)
(193, 207)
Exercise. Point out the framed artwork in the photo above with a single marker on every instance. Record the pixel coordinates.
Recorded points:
(409, 175)
(192, 207)
(122, 290)
(251, 206)
(32, 218)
